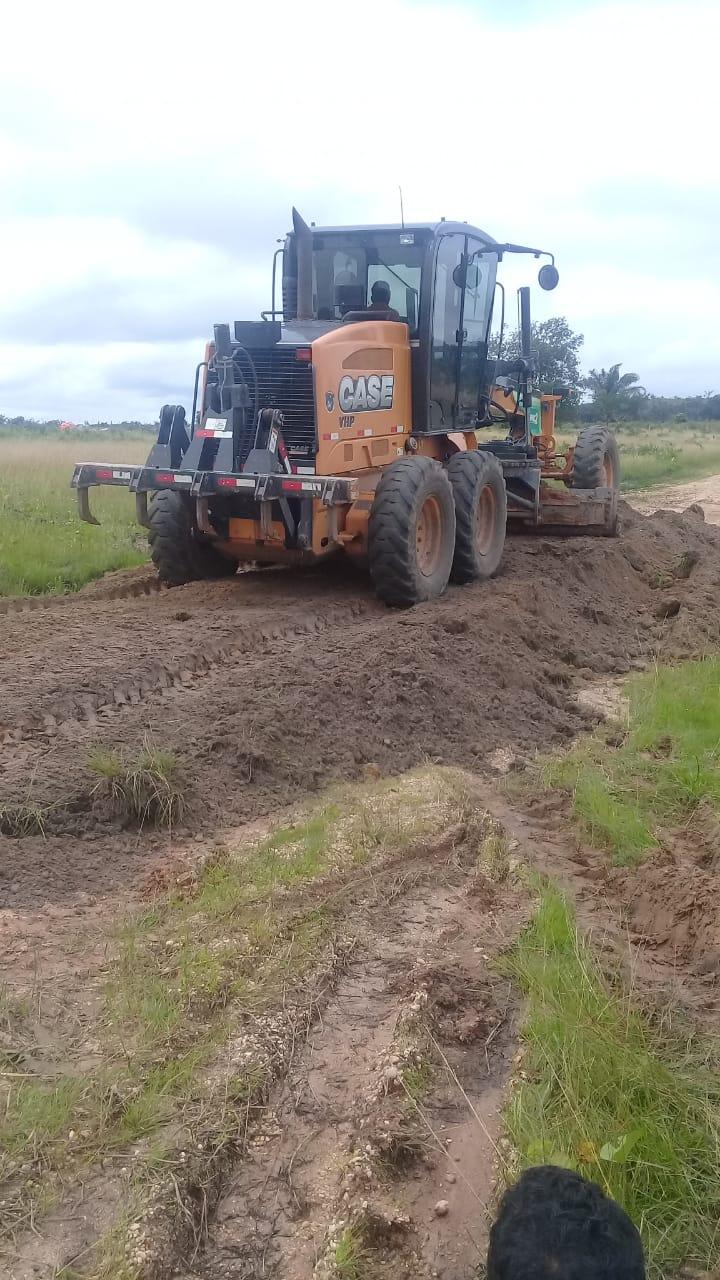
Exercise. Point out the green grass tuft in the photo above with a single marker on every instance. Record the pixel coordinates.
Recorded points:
(142, 790)
(287, 857)
(417, 1078)
(22, 819)
(37, 1114)
(350, 1255)
(605, 1092)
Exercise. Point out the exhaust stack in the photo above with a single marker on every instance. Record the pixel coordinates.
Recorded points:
(303, 245)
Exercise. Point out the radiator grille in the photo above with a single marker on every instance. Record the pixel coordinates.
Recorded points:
(287, 384)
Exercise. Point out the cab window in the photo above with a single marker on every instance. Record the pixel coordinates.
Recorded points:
(345, 268)
(479, 274)
(444, 336)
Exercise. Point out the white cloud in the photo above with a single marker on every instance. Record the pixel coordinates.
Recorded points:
(150, 154)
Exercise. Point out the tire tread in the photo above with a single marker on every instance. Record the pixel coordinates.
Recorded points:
(176, 554)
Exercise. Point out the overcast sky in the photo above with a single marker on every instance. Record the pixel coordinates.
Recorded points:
(150, 153)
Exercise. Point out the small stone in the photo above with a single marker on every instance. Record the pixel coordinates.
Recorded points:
(451, 1178)
(441, 1209)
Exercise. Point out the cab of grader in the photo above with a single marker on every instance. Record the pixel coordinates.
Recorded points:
(365, 416)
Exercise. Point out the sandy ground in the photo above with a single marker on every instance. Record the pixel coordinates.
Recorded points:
(678, 497)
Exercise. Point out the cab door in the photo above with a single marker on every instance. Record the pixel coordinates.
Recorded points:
(445, 333)
(462, 301)
(478, 275)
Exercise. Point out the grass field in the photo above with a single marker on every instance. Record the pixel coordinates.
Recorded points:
(44, 546)
(667, 454)
(662, 453)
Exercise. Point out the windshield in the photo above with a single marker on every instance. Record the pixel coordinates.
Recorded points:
(347, 266)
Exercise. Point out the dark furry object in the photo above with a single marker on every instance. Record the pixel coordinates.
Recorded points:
(554, 1225)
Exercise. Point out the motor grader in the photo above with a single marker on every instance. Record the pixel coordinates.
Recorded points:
(366, 416)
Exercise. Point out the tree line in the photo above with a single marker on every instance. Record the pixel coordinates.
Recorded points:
(46, 425)
(602, 395)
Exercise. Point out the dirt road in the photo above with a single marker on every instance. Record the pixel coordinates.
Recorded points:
(274, 683)
(678, 497)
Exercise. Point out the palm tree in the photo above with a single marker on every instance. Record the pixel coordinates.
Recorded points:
(612, 392)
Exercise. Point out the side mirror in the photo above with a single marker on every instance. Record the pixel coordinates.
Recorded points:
(548, 276)
(467, 275)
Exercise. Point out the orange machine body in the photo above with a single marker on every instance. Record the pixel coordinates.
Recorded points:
(363, 411)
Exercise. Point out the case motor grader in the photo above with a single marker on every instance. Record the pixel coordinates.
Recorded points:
(365, 416)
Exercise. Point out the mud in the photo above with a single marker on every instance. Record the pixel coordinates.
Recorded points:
(340, 1143)
(659, 922)
(275, 683)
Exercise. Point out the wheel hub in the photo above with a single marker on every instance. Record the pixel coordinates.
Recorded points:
(485, 520)
(428, 536)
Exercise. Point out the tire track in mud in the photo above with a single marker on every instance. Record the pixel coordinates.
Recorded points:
(89, 707)
(149, 585)
(339, 1143)
(271, 685)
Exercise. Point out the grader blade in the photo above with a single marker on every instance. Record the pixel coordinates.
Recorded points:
(561, 510)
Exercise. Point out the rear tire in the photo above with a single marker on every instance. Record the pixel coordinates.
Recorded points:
(176, 551)
(480, 514)
(597, 460)
(411, 533)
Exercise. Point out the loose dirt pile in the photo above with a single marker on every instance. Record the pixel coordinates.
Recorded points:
(274, 683)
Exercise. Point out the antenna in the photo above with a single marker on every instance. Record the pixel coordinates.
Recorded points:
(402, 213)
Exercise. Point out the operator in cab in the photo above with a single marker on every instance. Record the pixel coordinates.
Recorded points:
(380, 300)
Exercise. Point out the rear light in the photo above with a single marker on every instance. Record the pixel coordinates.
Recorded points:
(226, 482)
(103, 473)
(165, 477)
(292, 486)
(304, 355)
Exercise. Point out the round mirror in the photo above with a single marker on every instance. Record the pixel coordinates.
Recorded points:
(548, 276)
(467, 275)
(472, 277)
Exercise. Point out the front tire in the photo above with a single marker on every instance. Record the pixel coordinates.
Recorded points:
(176, 551)
(411, 533)
(597, 460)
(480, 496)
